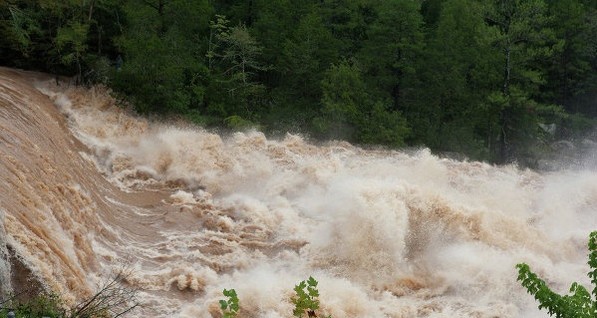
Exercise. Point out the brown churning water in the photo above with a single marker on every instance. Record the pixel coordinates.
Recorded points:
(88, 189)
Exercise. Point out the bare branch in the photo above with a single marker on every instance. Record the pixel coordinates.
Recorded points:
(112, 297)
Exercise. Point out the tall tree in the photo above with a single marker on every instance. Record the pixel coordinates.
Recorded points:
(459, 74)
(163, 52)
(236, 55)
(523, 37)
(57, 35)
(306, 55)
(569, 70)
(390, 56)
(348, 21)
(431, 10)
(276, 21)
(350, 112)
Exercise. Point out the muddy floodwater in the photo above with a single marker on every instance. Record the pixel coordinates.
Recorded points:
(88, 189)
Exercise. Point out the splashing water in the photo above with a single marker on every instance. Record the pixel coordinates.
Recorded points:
(88, 189)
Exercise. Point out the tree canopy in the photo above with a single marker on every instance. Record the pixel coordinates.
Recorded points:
(479, 77)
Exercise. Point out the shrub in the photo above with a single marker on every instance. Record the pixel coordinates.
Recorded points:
(306, 301)
(113, 299)
(42, 305)
(230, 305)
(579, 304)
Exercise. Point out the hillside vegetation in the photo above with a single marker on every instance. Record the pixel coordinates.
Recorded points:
(496, 80)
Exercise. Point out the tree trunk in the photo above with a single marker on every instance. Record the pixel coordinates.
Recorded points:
(91, 5)
(504, 151)
(161, 14)
(507, 69)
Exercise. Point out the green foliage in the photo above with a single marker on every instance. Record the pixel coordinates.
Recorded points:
(306, 299)
(57, 36)
(306, 54)
(524, 38)
(454, 116)
(276, 20)
(21, 29)
(350, 112)
(161, 71)
(575, 124)
(70, 43)
(580, 303)
(567, 70)
(42, 305)
(112, 299)
(229, 305)
(390, 52)
(344, 95)
(234, 62)
(454, 75)
(382, 126)
(236, 122)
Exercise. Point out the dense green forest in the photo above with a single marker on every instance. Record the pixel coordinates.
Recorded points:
(497, 80)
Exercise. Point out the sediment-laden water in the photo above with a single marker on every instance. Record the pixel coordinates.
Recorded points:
(89, 190)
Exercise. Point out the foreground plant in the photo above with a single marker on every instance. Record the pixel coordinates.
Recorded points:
(230, 305)
(42, 305)
(579, 304)
(113, 299)
(306, 299)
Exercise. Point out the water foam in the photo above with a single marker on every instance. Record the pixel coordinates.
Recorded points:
(386, 233)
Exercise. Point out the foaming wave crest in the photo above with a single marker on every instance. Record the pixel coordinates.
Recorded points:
(386, 233)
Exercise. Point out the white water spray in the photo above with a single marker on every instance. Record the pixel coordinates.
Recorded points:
(386, 233)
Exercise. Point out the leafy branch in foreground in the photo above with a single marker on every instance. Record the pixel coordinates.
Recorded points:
(306, 301)
(579, 304)
(230, 306)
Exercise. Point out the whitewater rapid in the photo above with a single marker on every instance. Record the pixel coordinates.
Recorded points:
(89, 189)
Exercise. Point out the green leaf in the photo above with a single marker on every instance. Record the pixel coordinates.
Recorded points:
(311, 281)
(578, 304)
(235, 307)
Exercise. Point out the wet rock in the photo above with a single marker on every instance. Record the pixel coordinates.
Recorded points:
(24, 284)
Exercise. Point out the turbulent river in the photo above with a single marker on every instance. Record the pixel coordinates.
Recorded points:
(89, 190)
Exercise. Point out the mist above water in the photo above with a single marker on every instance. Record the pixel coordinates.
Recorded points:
(190, 212)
